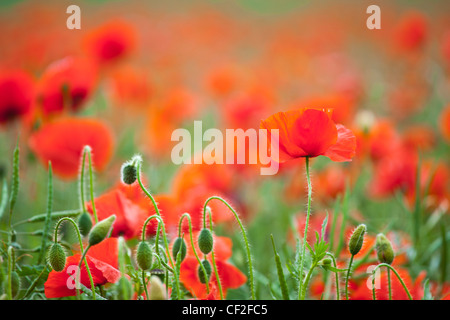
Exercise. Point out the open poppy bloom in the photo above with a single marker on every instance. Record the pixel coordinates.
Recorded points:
(16, 95)
(310, 133)
(103, 264)
(67, 84)
(230, 276)
(63, 140)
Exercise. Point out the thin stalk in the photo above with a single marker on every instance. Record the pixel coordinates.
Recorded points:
(389, 283)
(91, 185)
(396, 274)
(348, 276)
(337, 275)
(213, 260)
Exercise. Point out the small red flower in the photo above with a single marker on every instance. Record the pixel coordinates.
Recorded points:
(16, 95)
(411, 31)
(103, 264)
(66, 85)
(63, 140)
(311, 133)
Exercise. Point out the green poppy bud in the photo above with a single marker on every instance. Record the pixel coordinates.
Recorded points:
(384, 249)
(144, 256)
(208, 269)
(57, 257)
(357, 239)
(326, 261)
(84, 223)
(205, 241)
(129, 173)
(101, 230)
(177, 245)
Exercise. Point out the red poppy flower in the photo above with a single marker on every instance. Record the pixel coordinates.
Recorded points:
(130, 217)
(230, 276)
(311, 133)
(111, 41)
(103, 264)
(67, 84)
(411, 31)
(63, 140)
(16, 95)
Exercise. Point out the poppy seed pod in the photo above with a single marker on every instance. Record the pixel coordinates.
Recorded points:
(84, 223)
(129, 173)
(177, 245)
(205, 241)
(144, 256)
(357, 239)
(384, 249)
(57, 257)
(208, 269)
(101, 230)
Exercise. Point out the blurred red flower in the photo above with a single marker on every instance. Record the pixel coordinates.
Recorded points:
(63, 140)
(445, 123)
(16, 95)
(311, 133)
(66, 85)
(230, 276)
(411, 31)
(103, 264)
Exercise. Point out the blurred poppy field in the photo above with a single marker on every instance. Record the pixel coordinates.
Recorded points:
(92, 205)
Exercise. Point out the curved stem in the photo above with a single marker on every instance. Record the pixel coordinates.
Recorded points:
(81, 248)
(348, 276)
(188, 216)
(302, 262)
(396, 274)
(306, 282)
(244, 235)
(213, 260)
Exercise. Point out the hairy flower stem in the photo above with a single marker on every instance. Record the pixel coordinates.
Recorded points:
(187, 216)
(81, 248)
(348, 276)
(389, 283)
(389, 267)
(337, 275)
(306, 282)
(213, 260)
(301, 295)
(91, 185)
(244, 235)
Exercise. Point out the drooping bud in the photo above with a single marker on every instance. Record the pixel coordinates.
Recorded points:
(177, 245)
(84, 223)
(129, 173)
(326, 261)
(101, 230)
(208, 269)
(157, 291)
(384, 249)
(57, 257)
(205, 241)
(144, 256)
(357, 239)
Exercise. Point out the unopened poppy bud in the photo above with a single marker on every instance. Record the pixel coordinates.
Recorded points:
(157, 291)
(129, 173)
(84, 223)
(177, 245)
(357, 239)
(205, 241)
(101, 230)
(144, 256)
(57, 257)
(384, 249)
(208, 269)
(326, 261)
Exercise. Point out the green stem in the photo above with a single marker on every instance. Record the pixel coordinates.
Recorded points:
(348, 276)
(187, 216)
(302, 262)
(81, 248)
(396, 274)
(82, 200)
(49, 212)
(213, 259)
(10, 270)
(308, 277)
(91, 185)
(389, 283)
(144, 284)
(337, 275)
(244, 235)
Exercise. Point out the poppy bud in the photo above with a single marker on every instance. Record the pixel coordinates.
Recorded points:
(144, 256)
(357, 239)
(205, 241)
(101, 230)
(326, 261)
(84, 223)
(129, 173)
(179, 243)
(208, 269)
(124, 289)
(384, 249)
(157, 291)
(57, 257)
